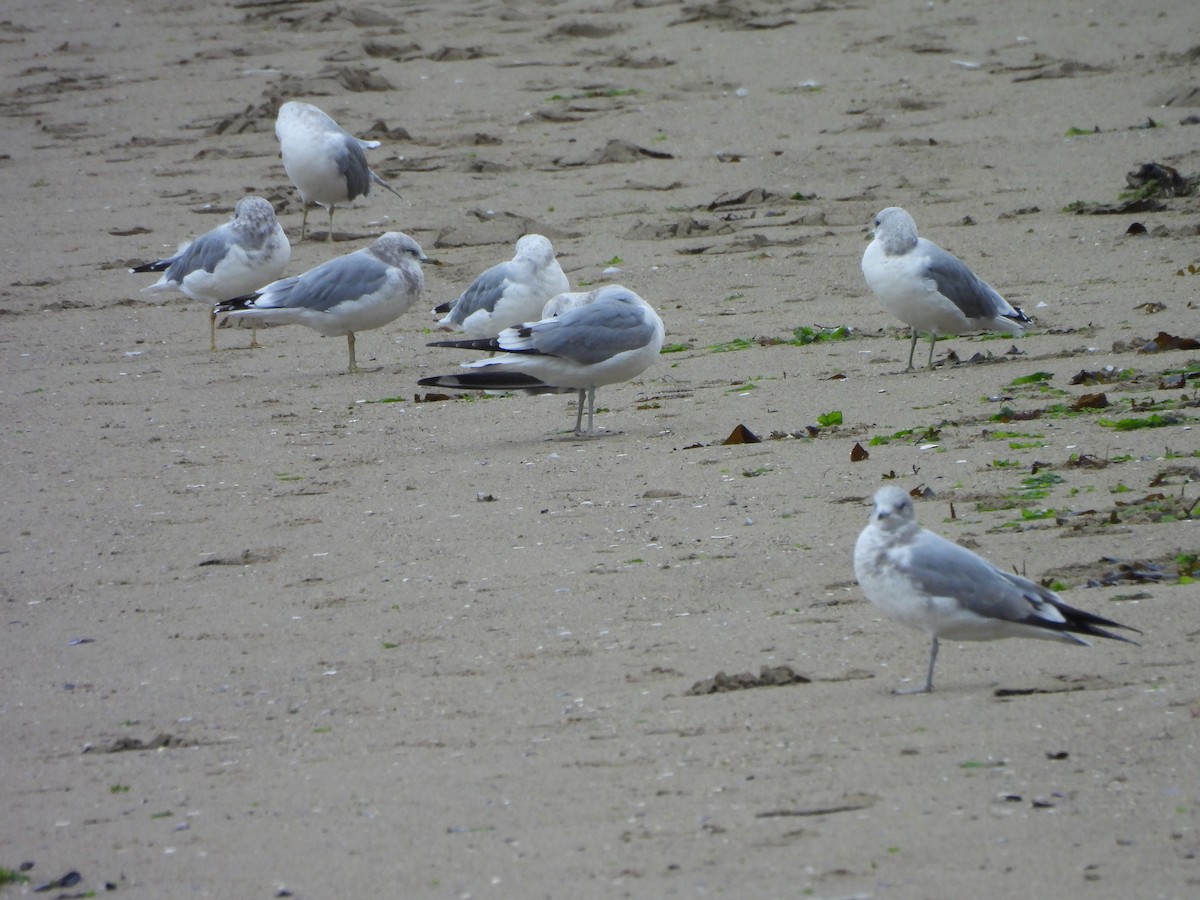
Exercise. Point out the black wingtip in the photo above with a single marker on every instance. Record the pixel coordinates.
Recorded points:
(1082, 622)
(487, 381)
(444, 308)
(1020, 316)
(228, 306)
(469, 344)
(159, 266)
(1093, 631)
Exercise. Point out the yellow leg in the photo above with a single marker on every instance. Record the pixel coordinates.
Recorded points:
(212, 331)
(350, 343)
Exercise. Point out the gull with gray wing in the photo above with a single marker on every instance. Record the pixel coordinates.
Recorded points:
(929, 289)
(926, 582)
(229, 261)
(324, 161)
(509, 293)
(609, 336)
(356, 292)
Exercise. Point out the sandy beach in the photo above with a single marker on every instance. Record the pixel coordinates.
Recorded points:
(276, 630)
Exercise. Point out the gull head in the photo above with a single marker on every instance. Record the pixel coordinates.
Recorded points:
(895, 231)
(395, 247)
(536, 248)
(893, 508)
(254, 210)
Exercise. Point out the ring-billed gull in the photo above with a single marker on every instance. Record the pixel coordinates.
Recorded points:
(365, 289)
(509, 293)
(324, 161)
(933, 585)
(607, 336)
(233, 259)
(929, 289)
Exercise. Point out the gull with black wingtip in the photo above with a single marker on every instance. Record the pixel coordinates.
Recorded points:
(930, 290)
(926, 582)
(603, 337)
(229, 261)
(356, 292)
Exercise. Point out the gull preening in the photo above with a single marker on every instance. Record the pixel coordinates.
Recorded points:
(362, 290)
(560, 303)
(324, 161)
(509, 293)
(928, 289)
(600, 337)
(926, 582)
(229, 261)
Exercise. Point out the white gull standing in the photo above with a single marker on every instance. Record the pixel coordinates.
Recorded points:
(362, 290)
(509, 293)
(324, 161)
(229, 261)
(605, 337)
(926, 582)
(929, 289)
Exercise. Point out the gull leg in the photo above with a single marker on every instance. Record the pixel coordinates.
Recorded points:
(330, 238)
(932, 341)
(350, 343)
(579, 413)
(592, 408)
(928, 688)
(254, 344)
(911, 349)
(304, 219)
(212, 331)
(933, 649)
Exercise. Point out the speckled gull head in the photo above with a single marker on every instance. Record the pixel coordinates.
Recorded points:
(896, 230)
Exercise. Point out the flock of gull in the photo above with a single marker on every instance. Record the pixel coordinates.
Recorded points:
(543, 337)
